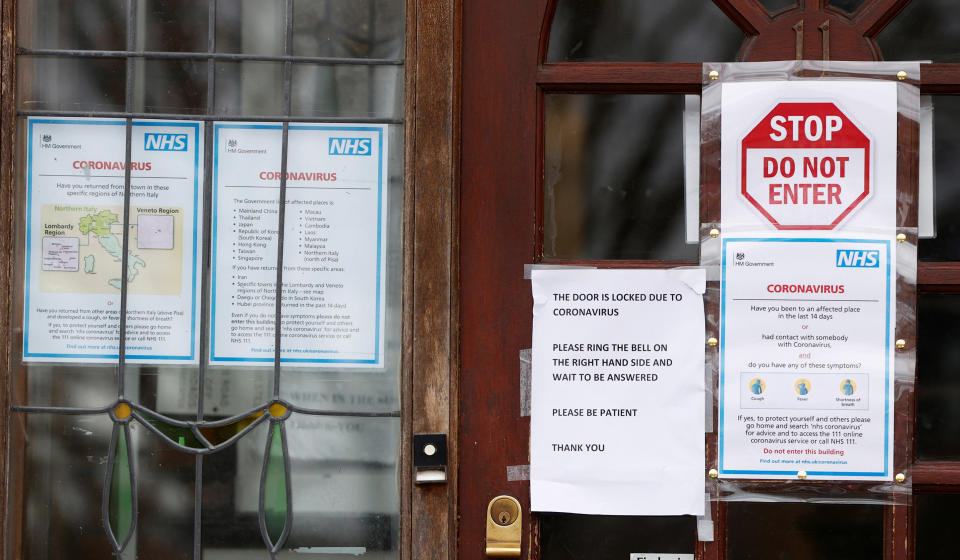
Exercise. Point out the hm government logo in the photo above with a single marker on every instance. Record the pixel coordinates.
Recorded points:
(46, 142)
(232, 143)
(741, 260)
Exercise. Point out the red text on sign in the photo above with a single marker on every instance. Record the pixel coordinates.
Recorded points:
(804, 193)
(805, 166)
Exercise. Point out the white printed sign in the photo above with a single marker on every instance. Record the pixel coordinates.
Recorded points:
(808, 155)
(806, 358)
(75, 235)
(334, 244)
(617, 411)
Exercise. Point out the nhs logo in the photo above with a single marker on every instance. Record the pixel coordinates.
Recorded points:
(351, 147)
(163, 142)
(848, 258)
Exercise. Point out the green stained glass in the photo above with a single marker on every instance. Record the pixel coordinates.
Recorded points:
(275, 487)
(121, 490)
(222, 434)
(177, 434)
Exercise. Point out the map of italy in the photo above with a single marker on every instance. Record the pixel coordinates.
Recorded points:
(98, 225)
(82, 252)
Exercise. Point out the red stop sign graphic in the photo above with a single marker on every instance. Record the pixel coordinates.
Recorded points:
(805, 166)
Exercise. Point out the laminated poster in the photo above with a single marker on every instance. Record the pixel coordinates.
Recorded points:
(334, 244)
(75, 237)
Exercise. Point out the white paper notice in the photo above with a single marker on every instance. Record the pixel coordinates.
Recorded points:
(74, 240)
(617, 410)
(809, 155)
(806, 363)
(333, 258)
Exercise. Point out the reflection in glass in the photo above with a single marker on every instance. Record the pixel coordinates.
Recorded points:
(96, 84)
(172, 25)
(613, 178)
(69, 24)
(774, 6)
(343, 390)
(938, 386)
(848, 6)
(627, 30)
(799, 531)
(924, 30)
(71, 386)
(572, 537)
(343, 90)
(936, 522)
(231, 494)
(345, 485)
(170, 86)
(232, 391)
(249, 88)
(946, 143)
(250, 27)
(63, 473)
(255, 88)
(165, 494)
(348, 28)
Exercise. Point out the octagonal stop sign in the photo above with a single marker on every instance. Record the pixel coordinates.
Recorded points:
(805, 166)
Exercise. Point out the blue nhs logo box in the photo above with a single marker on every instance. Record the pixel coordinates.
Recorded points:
(856, 258)
(164, 142)
(351, 147)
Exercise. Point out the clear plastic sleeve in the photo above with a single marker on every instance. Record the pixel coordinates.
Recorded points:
(897, 490)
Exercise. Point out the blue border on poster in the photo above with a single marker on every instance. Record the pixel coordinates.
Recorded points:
(887, 360)
(214, 359)
(196, 197)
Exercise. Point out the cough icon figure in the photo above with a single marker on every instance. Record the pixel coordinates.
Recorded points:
(757, 387)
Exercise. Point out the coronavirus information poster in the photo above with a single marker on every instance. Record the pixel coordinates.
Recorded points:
(808, 279)
(617, 409)
(333, 251)
(75, 236)
(806, 375)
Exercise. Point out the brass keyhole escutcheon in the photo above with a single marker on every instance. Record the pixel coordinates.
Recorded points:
(504, 523)
(504, 511)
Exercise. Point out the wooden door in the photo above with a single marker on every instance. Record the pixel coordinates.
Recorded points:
(515, 76)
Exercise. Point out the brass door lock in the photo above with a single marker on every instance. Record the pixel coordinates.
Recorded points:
(504, 523)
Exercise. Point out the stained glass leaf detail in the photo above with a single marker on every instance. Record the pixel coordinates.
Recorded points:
(274, 493)
(121, 499)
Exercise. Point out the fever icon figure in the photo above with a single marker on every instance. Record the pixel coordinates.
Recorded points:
(757, 386)
(802, 387)
(848, 387)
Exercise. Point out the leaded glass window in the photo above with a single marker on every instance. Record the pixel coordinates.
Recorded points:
(120, 452)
